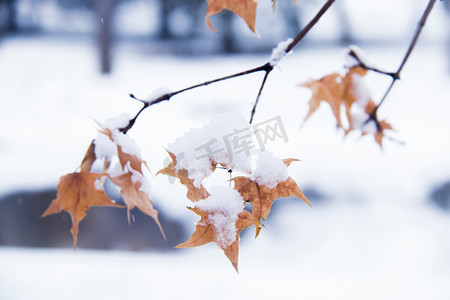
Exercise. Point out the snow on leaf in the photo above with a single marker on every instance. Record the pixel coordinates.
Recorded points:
(261, 197)
(206, 232)
(76, 194)
(194, 193)
(269, 170)
(127, 151)
(246, 9)
(227, 140)
(133, 196)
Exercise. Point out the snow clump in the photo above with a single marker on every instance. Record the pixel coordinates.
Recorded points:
(269, 170)
(225, 204)
(279, 52)
(227, 140)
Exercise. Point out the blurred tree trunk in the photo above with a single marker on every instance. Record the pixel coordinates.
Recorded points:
(228, 39)
(166, 7)
(105, 9)
(11, 13)
(346, 27)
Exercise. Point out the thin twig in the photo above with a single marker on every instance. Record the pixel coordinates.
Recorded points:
(259, 95)
(168, 96)
(413, 43)
(363, 65)
(267, 68)
(291, 45)
(310, 25)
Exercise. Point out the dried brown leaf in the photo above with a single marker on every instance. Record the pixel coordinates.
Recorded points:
(336, 90)
(76, 194)
(205, 232)
(261, 197)
(133, 197)
(246, 9)
(194, 193)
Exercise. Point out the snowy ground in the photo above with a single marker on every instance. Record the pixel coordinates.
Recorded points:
(375, 236)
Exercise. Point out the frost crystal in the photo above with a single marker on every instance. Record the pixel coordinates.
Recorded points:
(279, 52)
(269, 171)
(224, 204)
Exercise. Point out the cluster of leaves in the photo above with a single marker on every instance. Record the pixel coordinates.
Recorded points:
(259, 196)
(348, 91)
(78, 191)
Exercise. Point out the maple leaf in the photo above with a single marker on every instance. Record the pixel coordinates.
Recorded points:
(89, 158)
(246, 9)
(125, 158)
(288, 161)
(194, 193)
(133, 196)
(336, 90)
(77, 192)
(261, 197)
(206, 231)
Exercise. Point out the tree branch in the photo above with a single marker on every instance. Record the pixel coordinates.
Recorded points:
(267, 68)
(396, 76)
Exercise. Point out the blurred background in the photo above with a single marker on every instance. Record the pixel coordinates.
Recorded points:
(380, 221)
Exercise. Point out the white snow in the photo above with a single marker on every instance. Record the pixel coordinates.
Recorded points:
(360, 91)
(269, 170)
(279, 52)
(127, 144)
(98, 183)
(104, 147)
(351, 61)
(225, 204)
(143, 180)
(158, 92)
(118, 122)
(227, 139)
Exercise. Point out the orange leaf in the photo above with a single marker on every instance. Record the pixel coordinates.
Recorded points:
(124, 157)
(206, 232)
(89, 158)
(261, 197)
(288, 161)
(246, 9)
(194, 193)
(336, 90)
(76, 194)
(133, 197)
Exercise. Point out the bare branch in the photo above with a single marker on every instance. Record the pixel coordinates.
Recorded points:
(396, 75)
(267, 68)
